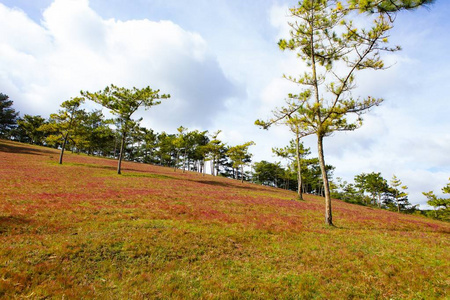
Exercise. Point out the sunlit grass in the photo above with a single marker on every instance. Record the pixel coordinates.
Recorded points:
(80, 230)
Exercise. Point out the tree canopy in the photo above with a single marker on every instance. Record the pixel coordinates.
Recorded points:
(8, 115)
(123, 103)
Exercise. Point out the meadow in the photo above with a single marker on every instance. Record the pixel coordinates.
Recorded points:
(79, 230)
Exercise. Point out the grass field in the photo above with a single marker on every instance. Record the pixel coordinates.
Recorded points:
(79, 230)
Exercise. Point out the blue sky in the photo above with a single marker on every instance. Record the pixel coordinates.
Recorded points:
(220, 62)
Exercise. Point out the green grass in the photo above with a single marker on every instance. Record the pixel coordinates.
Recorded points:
(79, 230)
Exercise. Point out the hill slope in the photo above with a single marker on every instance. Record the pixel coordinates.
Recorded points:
(80, 230)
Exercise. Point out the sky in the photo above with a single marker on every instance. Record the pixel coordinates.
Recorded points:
(219, 61)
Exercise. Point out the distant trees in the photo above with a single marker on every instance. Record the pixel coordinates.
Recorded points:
(148, 146)
(215, 151)
(373, 190)
(289, 117)
(123, 103)
(348, 192)
(90, 133)
(399, 192)
(267, 173)
(29, 130)
(374, 184)
(8, 116)
(273, 174)
(440, 205)
(192, 147)
(93, 134)
(199, 150)
(240, 156)
(295, 152)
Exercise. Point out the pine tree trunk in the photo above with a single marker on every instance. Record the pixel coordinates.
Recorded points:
(328, 213)
(299, 170)
(62, 148)
(242, 173)
(184, 161)
(115, 146)
(176, 162)
(122, 147)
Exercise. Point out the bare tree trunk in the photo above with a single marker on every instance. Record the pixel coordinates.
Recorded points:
(328, 214)
(242, 173)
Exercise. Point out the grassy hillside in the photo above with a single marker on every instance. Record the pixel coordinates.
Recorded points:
(80, 230)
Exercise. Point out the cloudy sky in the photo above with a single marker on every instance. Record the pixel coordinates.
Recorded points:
(220, 62)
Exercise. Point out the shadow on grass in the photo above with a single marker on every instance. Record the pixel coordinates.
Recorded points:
(125, 171)
(433, 229)
(90, 166)
(11, 222)
(225, 184)
(9, 147)
(148, 175)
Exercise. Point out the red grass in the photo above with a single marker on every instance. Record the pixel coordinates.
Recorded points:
(78, 229)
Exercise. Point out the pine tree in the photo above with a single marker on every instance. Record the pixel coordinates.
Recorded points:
(240, 156)
(400, 194)
(123, 103)
(8, 116)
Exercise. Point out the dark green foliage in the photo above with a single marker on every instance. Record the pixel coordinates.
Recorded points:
(372, 189)
(93, 134)
(348, 192)
(8, 116)
(267, 173)
(28, 130)
(273, 174)
(373, 184)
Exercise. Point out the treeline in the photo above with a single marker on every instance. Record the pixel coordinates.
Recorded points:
(81, 131)
(91, 133)
(373, 190)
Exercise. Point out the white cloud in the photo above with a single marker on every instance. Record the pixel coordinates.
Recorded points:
(279, 16)
(75, 49)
